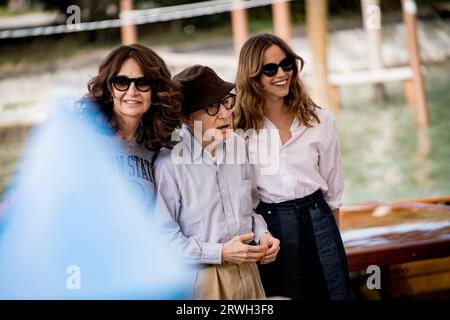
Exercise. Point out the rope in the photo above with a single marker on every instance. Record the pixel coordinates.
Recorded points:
(138, 17)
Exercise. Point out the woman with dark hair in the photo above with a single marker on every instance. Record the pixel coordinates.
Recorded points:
(134, 95)
(135, 92)
(300, 200)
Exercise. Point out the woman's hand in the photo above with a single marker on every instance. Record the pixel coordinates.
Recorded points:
(237, 251)
(272, 246)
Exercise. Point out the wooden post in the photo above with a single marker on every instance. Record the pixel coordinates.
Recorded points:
(408, 88)
(409, 15)
(334, 97)
(317, 27)
(128, 31)
(371, 14)
(281, 14)
(239, 25)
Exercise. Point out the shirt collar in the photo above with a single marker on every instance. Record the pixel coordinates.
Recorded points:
(236, 151)
(197, 152)
(296, 128)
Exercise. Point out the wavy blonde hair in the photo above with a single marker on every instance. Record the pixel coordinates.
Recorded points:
(248, 112)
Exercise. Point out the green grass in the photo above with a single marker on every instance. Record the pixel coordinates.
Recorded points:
(15, 105)
(177, 36)
(3, 11)
(12, 140)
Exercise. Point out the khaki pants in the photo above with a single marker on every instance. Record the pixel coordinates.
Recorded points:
(229, 281)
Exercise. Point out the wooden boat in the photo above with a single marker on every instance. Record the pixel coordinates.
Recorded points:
(408, 240)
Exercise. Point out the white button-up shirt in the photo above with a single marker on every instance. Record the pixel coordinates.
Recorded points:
(209, 201)
(308, 161)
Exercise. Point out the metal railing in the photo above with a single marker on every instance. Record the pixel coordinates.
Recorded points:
(139, 17)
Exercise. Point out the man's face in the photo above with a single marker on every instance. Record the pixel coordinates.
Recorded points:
(214, 127)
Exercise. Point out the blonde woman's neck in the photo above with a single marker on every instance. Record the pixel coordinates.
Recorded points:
(275, 108)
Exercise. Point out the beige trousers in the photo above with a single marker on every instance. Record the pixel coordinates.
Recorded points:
(229, 281)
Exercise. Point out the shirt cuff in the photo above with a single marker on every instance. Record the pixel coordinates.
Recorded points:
(211, 253)
(334, 205)
(259, 231)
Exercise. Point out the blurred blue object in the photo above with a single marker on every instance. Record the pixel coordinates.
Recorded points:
(74, 231)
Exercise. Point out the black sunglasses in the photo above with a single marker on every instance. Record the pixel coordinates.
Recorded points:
(228, 102)
(271, 69)
(122, 83)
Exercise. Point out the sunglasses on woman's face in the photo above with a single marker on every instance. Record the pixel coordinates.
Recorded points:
(228, 102)
(122, 83)
(271, 69)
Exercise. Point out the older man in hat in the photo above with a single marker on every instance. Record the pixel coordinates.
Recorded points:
(208, 193)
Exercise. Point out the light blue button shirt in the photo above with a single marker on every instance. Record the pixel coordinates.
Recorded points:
(205, 202)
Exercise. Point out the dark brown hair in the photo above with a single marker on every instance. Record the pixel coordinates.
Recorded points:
(163, 116)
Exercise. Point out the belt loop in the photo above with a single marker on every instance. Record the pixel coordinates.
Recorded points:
(296, 201)
(312, 200)
(271, 208)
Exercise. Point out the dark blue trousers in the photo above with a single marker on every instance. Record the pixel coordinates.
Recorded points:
(311, 263)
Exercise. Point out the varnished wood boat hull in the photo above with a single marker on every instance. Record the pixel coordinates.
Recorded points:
(408, 240)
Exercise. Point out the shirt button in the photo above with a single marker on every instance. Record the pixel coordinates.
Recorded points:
(269, 212)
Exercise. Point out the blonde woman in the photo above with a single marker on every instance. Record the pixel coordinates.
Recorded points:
(300, 201)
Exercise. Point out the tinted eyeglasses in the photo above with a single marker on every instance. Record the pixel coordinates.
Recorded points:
(271, 69)
(228, 102)
(122, 83)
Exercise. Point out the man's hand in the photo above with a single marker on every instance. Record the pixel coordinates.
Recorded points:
(272, 246)
(238, 252)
